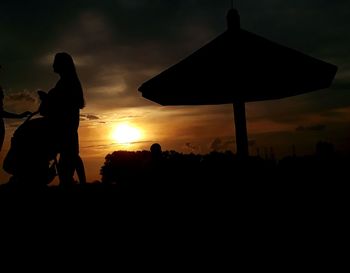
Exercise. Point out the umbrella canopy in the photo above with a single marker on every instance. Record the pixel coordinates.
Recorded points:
(237, 67)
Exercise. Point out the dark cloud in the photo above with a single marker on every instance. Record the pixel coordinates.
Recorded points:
(92, 117)
(333, 114)
(21, 101)
(22, 96)
(119, 44)
(89, 117)
(318, 127)
(129, 116)
(190, 147)
(294, 109)
(220, 144)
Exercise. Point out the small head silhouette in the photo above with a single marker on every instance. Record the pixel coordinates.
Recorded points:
(156, 150)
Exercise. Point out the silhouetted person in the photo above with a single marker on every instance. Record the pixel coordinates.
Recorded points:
(43, 110)
(156, 152)
(157, 168)
(64, 102)
(5, 114)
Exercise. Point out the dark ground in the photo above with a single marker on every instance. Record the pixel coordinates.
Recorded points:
(288, 219)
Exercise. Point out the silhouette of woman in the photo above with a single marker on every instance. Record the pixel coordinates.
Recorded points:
(5, 114)
(64, 102)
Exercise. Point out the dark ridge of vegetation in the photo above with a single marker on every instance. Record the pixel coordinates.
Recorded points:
(126, 167)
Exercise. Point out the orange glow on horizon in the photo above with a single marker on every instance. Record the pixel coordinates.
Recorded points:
(124, 133)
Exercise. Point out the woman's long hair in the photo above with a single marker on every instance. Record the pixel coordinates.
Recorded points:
(64, 65)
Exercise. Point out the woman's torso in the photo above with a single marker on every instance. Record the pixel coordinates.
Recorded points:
(63, 111)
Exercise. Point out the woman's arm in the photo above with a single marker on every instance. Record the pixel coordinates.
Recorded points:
(13, 115)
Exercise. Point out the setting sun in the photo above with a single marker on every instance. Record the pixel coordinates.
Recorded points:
(124, 133)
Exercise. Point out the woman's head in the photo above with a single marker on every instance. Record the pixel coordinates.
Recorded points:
(63, 64)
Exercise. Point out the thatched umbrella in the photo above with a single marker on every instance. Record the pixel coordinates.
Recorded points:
(237, 67)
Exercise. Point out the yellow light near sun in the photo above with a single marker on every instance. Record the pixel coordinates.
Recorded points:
(125, 133)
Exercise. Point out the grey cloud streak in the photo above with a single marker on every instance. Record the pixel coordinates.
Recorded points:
(317, 127)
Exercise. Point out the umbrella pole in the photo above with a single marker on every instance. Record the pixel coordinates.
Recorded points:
(241, 129)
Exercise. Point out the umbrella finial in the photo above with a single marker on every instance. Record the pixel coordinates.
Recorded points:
(233, 20)
(233, 4)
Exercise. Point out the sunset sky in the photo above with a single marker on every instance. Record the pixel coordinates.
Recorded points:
(117, 45)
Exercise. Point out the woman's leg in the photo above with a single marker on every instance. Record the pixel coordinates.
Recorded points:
(69, 153)
(80, 170)
(66, 167)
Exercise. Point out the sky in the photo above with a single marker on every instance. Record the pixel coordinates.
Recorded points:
(117, 45)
